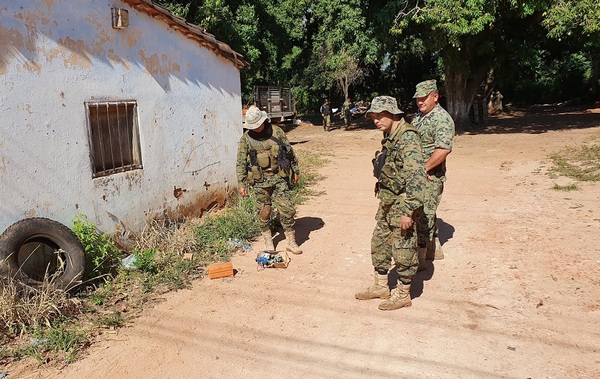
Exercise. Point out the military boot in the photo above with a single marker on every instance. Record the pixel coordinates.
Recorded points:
(268, 240)
(379, 290)
(434, 249)
(292, 246)
(422, 254)
(400, 298)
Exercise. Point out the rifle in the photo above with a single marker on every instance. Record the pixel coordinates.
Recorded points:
(378, 163)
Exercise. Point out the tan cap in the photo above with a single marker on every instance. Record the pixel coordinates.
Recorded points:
(254, 118)
(384, 104)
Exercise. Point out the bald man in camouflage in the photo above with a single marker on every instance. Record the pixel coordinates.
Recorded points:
(399, 169)
(436, 129)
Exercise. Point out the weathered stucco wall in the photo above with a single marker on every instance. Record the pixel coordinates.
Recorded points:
(57, 54)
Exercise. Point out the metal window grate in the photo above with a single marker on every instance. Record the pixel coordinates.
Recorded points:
(114, 137)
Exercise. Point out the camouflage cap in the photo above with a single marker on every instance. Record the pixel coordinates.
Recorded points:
(384, 104)
(425, 88)
(254, 118)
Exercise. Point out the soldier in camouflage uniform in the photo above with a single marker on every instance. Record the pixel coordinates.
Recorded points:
(436, 129)
(399, 168)
(266, 162)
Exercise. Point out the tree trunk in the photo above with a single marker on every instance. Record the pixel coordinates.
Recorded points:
(594, 77)
(463, 81)
(456, 99)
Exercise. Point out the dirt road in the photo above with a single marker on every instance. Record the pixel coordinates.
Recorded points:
(517, 296)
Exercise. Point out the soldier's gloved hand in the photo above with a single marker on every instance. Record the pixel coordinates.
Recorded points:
(243, 191)
(295, 178)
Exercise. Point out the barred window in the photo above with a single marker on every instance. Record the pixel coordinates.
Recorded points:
(114, 137)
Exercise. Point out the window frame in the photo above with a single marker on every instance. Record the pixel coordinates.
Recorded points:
(119, 161)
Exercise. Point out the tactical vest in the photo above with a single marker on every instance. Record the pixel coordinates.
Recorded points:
(388, 163)
(267, 159)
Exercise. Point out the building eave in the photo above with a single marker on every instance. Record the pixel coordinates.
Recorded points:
(194, 32)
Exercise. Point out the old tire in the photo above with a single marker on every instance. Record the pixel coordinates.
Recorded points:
(37, 248)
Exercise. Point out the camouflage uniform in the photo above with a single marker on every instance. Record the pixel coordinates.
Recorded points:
(326, 113)
(269, 183)
(436, 129)
(400, 187)
(346, 112)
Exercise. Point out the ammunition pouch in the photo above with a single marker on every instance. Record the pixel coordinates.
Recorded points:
(255, 173)
(264, 159)
(378, 162)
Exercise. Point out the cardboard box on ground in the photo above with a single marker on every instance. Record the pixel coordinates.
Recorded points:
(269, 259)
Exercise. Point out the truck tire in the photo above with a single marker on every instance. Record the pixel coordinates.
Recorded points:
(34, 248)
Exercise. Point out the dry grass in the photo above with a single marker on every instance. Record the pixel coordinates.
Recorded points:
(170, 238)
(23, 308)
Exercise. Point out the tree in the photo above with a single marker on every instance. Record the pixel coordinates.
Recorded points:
(475, 37)
(343, 44)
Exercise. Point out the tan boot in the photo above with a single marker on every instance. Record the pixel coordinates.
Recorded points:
(268, 240)
(399, 298)
(434, 249)
(422, 253)
(292, 246)
(379, 290)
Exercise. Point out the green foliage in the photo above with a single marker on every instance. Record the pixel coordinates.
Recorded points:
(338, 48)
(172, 271)
(181, 10)
(564, 16)
(236, 222)
(113, 320)
(102, 254)
(145, 259)
(61, 341)
(547, 79)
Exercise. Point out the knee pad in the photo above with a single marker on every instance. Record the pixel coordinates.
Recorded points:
(265, 213)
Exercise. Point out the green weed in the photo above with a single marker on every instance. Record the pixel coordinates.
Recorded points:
(58, 342)
(580, 163)
(145, 259)
(566, 188)
(101, 252)
(113, 320)
(237, 222)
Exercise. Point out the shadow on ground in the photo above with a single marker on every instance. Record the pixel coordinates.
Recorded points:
(539, 119)
(304, 226)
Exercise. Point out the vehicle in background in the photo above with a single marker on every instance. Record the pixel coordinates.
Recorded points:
(277, 102)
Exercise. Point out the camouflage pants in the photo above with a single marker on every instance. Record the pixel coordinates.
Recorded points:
(389, 241)
(275, 192)
(426, 227)
(326, 121)
(347, 118)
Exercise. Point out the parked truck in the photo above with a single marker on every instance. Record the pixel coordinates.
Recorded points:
(276, 101)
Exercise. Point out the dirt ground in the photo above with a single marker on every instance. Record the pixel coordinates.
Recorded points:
(517, 296)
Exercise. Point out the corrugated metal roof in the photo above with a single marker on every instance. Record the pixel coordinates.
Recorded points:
(192, 31)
